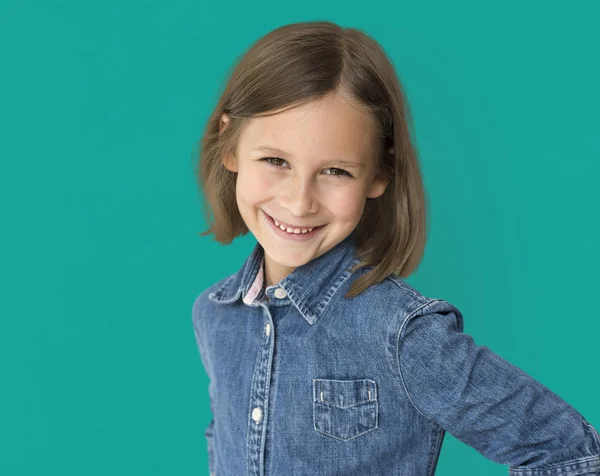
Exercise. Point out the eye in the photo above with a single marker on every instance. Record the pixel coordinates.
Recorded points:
(268, 159)
(341, 172)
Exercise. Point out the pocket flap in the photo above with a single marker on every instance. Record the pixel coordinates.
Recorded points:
(344, 393)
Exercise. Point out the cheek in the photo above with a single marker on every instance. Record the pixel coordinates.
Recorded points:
(252, 187)
(345, 204)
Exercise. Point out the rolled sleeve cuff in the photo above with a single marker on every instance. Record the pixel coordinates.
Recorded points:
(588, 466)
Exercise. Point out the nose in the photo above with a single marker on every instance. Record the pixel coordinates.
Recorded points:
(297, 195)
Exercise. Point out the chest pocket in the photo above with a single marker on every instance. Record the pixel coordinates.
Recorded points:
(344, 409)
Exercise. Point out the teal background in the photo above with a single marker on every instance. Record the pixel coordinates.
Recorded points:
(102, 104)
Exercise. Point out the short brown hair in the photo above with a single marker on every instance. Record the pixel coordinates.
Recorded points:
(305, 61)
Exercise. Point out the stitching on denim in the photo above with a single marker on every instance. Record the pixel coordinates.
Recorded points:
(369, 382)
(402, 326)
(560, 464)
(216, 295)
(324, 405)
(250, 421)
(311, 317)
(435, 449)
(594, 432)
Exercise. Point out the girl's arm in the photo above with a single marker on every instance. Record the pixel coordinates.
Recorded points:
(487, 402)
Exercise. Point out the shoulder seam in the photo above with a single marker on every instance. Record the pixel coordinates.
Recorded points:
(404, 286)
(399, 376)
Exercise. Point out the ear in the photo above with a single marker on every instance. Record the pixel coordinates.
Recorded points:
(379, 184)
(223, 122)
(230, 163)
(229, 160)
(378, 187)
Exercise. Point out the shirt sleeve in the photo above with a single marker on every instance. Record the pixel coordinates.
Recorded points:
(488, 403)
(208, 432)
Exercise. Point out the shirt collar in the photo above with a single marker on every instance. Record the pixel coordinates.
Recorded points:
(309, 287)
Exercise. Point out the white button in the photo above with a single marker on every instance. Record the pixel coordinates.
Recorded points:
(256, 414)
(280, 293)
(268, 328)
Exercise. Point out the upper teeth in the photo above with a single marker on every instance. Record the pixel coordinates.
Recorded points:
(297, 231)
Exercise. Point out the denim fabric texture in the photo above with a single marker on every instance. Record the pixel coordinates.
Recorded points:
(306, 382)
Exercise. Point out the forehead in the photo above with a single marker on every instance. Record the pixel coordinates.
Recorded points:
(328, 128)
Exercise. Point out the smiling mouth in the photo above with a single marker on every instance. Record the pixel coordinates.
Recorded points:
(309, 229)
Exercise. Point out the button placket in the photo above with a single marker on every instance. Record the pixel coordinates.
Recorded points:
(259, 402)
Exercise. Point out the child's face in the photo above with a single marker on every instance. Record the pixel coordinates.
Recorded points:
(303, 186)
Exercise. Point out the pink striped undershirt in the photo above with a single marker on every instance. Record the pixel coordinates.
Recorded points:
(256, 285)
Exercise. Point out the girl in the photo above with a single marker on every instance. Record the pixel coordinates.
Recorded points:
(322, 360)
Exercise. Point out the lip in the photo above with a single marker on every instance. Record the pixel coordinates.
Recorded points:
(292, 236)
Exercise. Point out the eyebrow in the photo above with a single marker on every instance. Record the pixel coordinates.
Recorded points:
(345, 163)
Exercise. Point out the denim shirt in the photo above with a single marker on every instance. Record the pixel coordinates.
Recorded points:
(303, 381)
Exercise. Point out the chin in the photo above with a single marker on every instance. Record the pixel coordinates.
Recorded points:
(284, 259)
